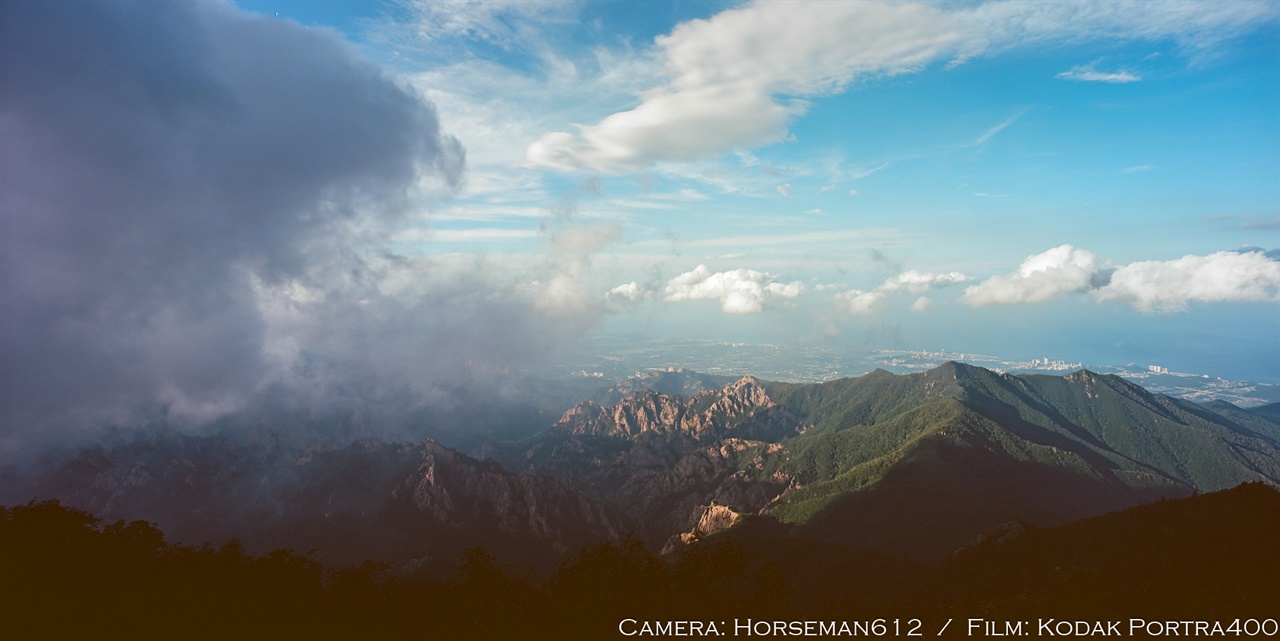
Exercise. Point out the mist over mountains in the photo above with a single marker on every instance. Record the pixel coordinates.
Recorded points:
(911, 467)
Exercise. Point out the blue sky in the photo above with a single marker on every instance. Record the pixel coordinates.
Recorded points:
(808, 154)
(213, 206)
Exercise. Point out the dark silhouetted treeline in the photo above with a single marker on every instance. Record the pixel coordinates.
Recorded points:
(66, 575)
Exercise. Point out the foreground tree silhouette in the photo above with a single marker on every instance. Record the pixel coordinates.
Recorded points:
(607, 582)
(64, 574)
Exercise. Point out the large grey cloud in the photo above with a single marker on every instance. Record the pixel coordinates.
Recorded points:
(173, 176)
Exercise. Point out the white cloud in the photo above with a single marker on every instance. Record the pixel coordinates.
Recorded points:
(1164, 286)
(1040, 277)
(853, 192)
(628, 291)
(826, 188)
(1147, 286)
(727, 73)
(784, 189)
(1137, 169)
(1086, 73)
(917, 282)
(740, 291)
(911, 281)
(862, 303)
(736, 80)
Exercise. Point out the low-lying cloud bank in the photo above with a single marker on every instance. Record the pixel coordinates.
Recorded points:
(913, 282)
(1153, 286)
(1148, 286)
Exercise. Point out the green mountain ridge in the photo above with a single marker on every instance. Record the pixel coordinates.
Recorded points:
(921, 464)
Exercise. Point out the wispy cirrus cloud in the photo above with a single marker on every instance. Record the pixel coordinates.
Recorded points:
(991, 133)
(1197, 27)
(737, 79)
(1087, 73)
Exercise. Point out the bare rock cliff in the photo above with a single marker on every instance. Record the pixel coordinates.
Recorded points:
(706, 415)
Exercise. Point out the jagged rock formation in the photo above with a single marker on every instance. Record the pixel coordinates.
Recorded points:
(742, 407)
(660, 456)
(707, 519)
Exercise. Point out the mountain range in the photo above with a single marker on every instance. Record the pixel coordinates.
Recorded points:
(916, 465)
(913, 467)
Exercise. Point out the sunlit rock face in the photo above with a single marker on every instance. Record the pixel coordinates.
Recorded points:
(709, 519)
(706, 415)
(661, 456)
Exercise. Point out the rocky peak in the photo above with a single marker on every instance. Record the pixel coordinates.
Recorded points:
(705, 414)
(747, 392)
(747, 386)
(645, 411)
(709, 520)
(716, 517)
